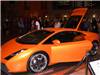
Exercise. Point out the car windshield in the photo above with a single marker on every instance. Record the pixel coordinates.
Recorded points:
(34, 37)
(73, 22)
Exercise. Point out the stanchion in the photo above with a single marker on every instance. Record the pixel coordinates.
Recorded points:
(85, 58)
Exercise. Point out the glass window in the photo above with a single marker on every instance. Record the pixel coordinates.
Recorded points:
(34, 37)
(65, 36)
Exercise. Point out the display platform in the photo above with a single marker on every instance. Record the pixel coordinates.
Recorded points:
(94, 67)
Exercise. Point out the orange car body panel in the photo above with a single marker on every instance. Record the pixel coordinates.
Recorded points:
(79, 11)
(69, 51)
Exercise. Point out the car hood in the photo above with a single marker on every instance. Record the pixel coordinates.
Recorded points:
(13, 46)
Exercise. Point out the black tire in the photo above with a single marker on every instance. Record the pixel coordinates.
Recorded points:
(38, 62)
(94, 48)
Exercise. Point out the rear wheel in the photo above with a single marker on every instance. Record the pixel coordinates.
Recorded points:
(38, 62)
(94, 48)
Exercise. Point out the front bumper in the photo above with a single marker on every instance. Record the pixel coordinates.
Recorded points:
(11, 66)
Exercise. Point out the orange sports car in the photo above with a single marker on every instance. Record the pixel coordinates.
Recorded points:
(36, 50)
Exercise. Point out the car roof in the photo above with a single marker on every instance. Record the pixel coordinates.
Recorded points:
(59, 29)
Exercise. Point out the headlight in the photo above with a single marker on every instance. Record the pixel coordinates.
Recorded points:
(16, 53)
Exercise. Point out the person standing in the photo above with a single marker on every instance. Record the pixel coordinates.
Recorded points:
(35, 24)
(21, 26)
(57, 24)
(94, 25)
(99, 27)
(84, 25)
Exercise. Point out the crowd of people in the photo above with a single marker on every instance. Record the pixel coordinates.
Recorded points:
(24, 25)
(20, 25)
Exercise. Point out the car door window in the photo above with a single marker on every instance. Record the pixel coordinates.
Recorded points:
(65, 36)
(78, 36)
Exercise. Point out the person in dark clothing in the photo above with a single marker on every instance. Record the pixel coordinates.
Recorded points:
(84, 25)
(21, 26)
(94, 25)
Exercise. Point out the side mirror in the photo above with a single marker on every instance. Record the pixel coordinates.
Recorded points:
(56, 42)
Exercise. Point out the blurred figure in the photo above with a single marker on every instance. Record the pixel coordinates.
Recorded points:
(50, 24)
(40, 21)
(32, 23)
(21, 25)
(94, 25)
(46, 22)
(64, 23)
(99, 26)
(26, 24)
(29, 23)
(57, 24)
(7, 27)
(84, 25)
(35, 24)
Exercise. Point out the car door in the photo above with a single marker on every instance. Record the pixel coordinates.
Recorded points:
(76, 18)
(71, 47)
(79, 12)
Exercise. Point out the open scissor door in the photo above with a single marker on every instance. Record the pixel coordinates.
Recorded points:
(76, 17)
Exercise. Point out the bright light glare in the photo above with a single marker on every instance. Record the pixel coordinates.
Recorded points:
(65, 15)
(46, 16)
(94, 15)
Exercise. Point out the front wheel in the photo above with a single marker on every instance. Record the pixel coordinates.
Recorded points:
(94, 48)
(38, 62)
